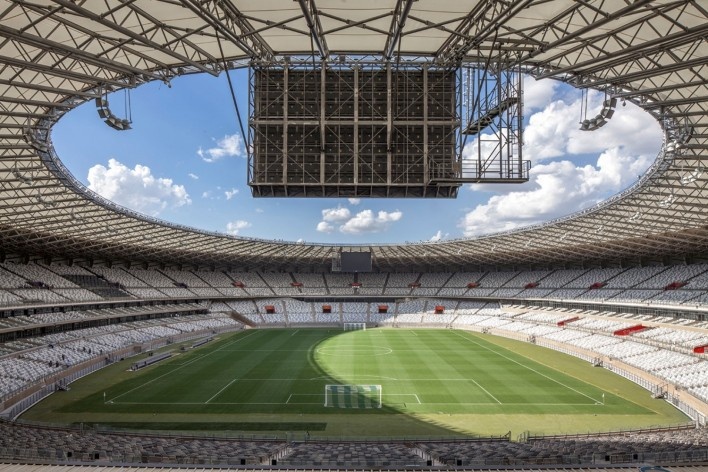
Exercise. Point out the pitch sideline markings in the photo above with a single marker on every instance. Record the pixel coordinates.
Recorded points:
(320, 403)
(531, 369)
(181, 366)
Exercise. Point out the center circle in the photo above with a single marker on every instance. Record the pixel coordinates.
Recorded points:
(353, 351)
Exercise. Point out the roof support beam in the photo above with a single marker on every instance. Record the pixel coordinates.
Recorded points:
(67, 4)
(400, 14)
(313, 22)
(637, 51)
(74, 53)
(228, 21)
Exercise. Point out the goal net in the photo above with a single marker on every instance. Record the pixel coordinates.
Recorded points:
(353, 396)
(354, 326)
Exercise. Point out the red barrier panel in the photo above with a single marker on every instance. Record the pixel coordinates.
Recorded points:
(569, 320)
(630, 330)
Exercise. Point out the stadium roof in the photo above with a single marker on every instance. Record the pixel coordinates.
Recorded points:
(56, 54)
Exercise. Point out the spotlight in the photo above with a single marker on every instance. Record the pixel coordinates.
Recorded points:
(668, 200)
(600, 120)
(32, 139)
(691, 177)
(45, 201)
(108, 117)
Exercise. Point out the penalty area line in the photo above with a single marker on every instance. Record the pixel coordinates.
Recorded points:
(219, 392)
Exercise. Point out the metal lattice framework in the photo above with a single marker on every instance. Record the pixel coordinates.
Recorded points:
(56, 54)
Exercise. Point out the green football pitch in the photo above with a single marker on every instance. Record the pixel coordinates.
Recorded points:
(376, 382)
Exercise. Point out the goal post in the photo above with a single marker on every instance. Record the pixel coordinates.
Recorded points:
(353, 396)
(354, 326)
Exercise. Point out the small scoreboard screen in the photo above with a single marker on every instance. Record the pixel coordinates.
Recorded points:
(356, 261)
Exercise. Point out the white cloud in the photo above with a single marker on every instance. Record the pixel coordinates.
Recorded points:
(136, 188)
(228, 146)
(538, 93)
(324, 227)
(354, 201)
(340, 219)
(556, 189)
(335, 215)
(233, 227)
(438, 236)
(206, 194)
(366, 222)
(555, 131)
(624, 148)
(231, 193)
(193, 176)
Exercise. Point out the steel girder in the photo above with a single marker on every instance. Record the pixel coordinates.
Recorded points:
(55, 54)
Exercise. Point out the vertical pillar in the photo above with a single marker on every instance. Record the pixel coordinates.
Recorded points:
(356, 126)
(389, 124)
(426, 169)
(286, 93)
(323, 140)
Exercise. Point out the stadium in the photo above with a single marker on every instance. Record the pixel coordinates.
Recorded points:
(129, 341)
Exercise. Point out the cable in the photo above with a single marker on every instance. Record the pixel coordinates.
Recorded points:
(244, 137)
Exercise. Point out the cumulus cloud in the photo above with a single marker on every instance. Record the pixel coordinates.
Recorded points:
(556, 189)
(555, 131)
(231, 193)
(136, 188)
(624, 148)
(341, 219)
(438, 236)
(368, 222)
(354, 201)
(538, 93)
(325, 227)
(193, 176)
(335, 215)
(233, 227)
(230, 145)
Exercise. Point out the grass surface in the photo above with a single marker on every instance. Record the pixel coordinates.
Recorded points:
(434, 382)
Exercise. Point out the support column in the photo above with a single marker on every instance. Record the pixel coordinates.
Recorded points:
(323, 96)
(389, 124)
(286, 93)
(356, 125)
(426, 168)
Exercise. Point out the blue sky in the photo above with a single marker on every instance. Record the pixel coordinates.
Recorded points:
(184, 162)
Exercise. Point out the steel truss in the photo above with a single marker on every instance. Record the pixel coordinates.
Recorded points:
(355, 130)
(56, 54)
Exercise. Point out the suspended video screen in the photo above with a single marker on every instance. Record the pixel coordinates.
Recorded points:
(356, 261)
